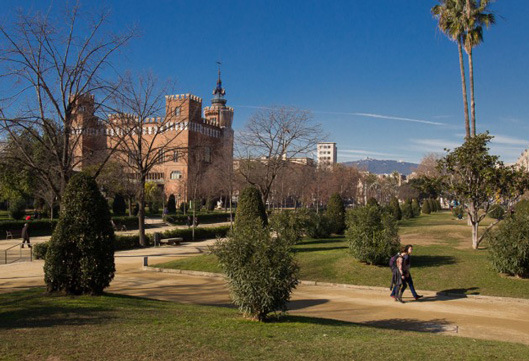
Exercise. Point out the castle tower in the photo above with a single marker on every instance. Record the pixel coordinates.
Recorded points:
(218, 113)
(88, 133)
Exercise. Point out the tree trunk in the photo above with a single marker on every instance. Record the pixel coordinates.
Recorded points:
(141, 212)
(472, 102)
(475, 242)
(464, 86)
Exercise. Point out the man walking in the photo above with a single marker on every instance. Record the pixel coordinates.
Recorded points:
(404, 265)
(25, 233)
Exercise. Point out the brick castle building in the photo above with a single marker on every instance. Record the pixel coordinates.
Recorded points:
(183, 143)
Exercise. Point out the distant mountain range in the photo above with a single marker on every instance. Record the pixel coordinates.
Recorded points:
(382, 166)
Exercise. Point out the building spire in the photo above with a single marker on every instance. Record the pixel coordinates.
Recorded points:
(219, 91)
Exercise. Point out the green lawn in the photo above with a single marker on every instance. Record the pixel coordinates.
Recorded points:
(35, 326)
(442, 261)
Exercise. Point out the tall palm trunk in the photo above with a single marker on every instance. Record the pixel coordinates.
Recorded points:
(471, 81)
(464, 86)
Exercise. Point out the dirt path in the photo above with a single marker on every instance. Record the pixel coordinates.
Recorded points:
(484, 318)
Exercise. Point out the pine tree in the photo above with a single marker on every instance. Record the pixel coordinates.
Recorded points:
(80, 258)
(395, 208)
(426, 207)
(336, 214)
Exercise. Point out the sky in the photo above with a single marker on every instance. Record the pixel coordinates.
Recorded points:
(379, 76)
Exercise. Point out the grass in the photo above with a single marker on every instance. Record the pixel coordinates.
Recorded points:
(39, 327)
(443, 260)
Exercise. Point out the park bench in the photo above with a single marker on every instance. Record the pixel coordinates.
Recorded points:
(172, 241)
(13, 233)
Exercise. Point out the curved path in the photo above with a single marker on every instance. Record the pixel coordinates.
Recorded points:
(477, 317)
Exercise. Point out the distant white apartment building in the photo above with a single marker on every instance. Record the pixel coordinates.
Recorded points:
(327, 153)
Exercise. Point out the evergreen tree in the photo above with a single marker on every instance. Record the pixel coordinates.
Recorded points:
(394, 207)
(336, 214)
(372, 202)
(171, 204)
(426, 207)
(119, 207)
(80, 258)
(250, 207)
(17, 208)
(415, 207)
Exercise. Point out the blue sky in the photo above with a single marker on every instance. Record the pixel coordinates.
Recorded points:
(378, 75)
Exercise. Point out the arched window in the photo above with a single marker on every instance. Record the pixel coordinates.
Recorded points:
(176, 174)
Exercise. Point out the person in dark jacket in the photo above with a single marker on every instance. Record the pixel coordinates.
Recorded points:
(405, 275)
(25, 233)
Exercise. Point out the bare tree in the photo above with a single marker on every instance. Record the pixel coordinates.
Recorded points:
(269, 141)
(49, 63)
(144, 132)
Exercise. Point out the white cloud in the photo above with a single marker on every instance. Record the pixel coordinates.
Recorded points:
(366, 153)
(504, 139)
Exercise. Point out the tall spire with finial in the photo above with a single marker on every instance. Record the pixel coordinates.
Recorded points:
(219, 91)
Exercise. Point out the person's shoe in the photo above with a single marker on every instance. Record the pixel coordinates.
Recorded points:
(418, 296)
(29, 246)
(400, 300)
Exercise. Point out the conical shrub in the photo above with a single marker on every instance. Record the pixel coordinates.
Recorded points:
(80, 258)
(250, 207)
(336, 214)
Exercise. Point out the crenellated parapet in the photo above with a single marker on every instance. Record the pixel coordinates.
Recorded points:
(184, 97)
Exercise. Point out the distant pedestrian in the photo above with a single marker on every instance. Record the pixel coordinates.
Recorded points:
(188, 221)
(196, 222)
(25, 233)
(397, 282)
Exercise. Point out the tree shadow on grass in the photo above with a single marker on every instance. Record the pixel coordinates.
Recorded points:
(317, 249)
(322, 241)
(432, 261)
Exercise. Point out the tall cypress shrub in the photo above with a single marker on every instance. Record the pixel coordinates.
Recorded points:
(250, 207)
(426, 207)
(336, 214)
(171, 204)
(415, 207)
(80, 257)
(394, 207)
(119, 207)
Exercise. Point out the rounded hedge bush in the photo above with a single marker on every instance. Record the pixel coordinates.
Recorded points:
(336, 214)
(522, 206)
(407, 211)
(372, 235)
(80, 256)
(17, 208)
(509, 246)
(250, 207)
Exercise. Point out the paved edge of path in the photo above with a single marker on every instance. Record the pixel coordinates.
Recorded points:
(341, 285)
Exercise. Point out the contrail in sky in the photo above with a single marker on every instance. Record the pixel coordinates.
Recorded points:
(369, 115)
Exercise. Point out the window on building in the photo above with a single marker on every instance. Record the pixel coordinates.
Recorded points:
(161, 157)
(176, 174)
(175, 156)
(177, 111)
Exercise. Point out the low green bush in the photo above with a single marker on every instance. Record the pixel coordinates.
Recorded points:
(372, 235)
(260, 268)
(496, 212)
(288, 224)
(522, 206)
(203, 218)
(509, 246)
(40, 250)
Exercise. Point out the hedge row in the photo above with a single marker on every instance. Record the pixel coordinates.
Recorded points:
(45, 227)
(131, 242)
(205, 218)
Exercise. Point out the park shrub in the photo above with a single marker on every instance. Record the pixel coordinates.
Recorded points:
(426, 207)
(394, 208)
(509, 246)
(210, 204)
(119, 207)
(250, 207)
(80, 257)
(184, 207)
(17, 208)
(372, 235)
(407, 211)
(372, 202)
(171, 204)
(260, 268)
(415, 207)
(203, 218)
(433, 205)
(522, 206)
(40, 250)
(336, 214)
(496, 212)
(288, 224)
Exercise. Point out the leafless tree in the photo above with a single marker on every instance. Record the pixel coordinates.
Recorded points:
(269, 141)
(145, 132)
(48, 63)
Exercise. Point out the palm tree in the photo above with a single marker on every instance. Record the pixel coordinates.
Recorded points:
(475, 17)
(449, 14)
